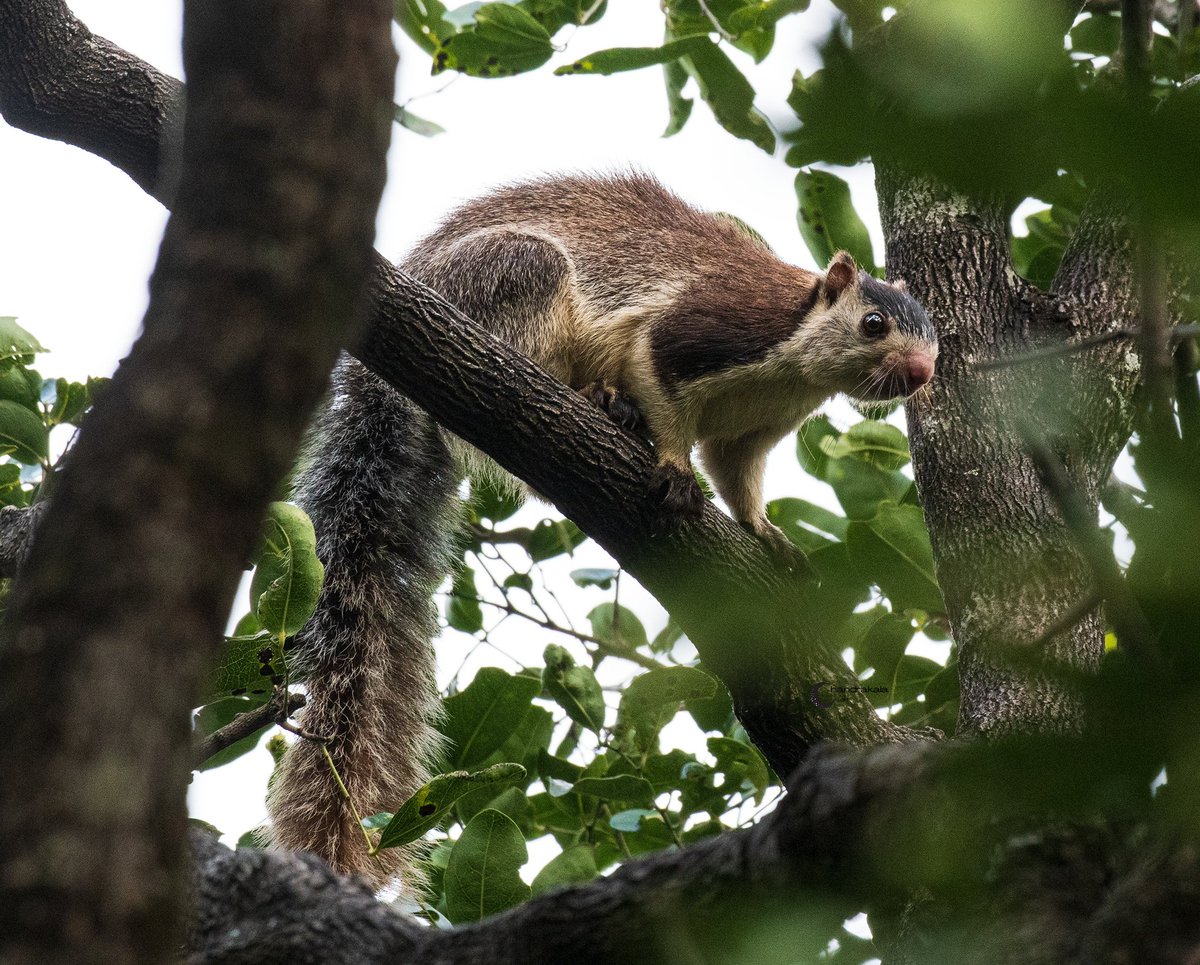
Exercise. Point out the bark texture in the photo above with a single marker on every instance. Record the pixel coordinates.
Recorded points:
(120, 606)
(1007, 564)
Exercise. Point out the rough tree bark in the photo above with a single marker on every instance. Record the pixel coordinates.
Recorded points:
(256, 907)
(260, 278)
(1007, 565)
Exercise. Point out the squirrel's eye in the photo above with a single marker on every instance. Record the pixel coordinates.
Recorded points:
(874, 325)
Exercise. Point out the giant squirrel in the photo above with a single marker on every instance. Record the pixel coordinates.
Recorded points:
(676, 321)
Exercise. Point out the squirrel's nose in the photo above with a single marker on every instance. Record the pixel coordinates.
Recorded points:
(916, 370)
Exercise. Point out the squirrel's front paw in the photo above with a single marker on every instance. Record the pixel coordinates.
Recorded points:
(617, 406)
(788, 553)
(677, 492)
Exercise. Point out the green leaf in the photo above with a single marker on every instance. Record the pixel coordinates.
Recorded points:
(595, 576)
(70, 401)
(553, 537)
(711, 713)
(881, 647)
(616, 60)
(573, 688)
(617, 625)
(463, 611)
(482, 875)
(1099, 35)
(878, 443)
(725, 89)
(432, 802)
(15, 342)
(418, 125)
(627, 788)
(892, 550)
(22, 434)
(764, 14)
(482, 717)
(575, 865)
(248, 667)
(912, 677)
(861, 487)
(528, 740)
(810, 449)
(652, 699)
(256, 839)
(664, 641)
(630, 821)
(503, 41)
(11, 491)
(827, 219)
(556, 14)
(287, 573)
(518, 581)
(790, 511)
(425, 22)
(742, 764)
(675, 76)
(16, 386)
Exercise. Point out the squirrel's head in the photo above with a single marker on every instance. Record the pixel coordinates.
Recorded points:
(869, 339)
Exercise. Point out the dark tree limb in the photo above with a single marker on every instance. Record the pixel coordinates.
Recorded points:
(831, 847)
(274, 711)
(727, 592)
(137, 559)
(50, 64)
(258, 907)
(17, 525)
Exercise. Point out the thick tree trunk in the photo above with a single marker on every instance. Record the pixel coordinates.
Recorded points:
(119, 609)
(1007, 564)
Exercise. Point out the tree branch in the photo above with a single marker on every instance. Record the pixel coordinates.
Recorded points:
(821, 837)
(242, 726)
(17, 525)
(136, 562)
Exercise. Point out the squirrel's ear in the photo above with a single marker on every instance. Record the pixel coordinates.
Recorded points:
(900, 285)
(840, 275)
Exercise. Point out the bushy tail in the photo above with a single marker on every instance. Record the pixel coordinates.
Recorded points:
(380, 495)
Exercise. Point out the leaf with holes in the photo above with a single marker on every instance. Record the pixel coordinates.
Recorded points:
(828, 221)
(430, 803)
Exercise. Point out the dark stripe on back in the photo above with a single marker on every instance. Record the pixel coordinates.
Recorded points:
(717, 325)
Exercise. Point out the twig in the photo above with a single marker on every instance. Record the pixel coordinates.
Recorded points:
(1178, 333)
(605, 646)
(1133, 630)
(590, 12)
(725, 34)
(518, 535)
(243, 725)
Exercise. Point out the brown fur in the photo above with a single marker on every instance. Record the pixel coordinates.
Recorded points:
(610, 283)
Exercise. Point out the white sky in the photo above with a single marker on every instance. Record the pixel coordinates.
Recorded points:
(79, 238)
